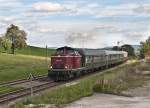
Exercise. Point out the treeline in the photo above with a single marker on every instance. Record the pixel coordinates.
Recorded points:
(145, 49)
(14, 38)
(126, 47)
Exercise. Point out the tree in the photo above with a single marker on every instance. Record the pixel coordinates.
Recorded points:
(129, 49)
(0, 40)
(5, 43)
(16, 36)
(145, 49)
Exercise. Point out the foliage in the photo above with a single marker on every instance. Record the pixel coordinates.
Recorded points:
(145, 48)
(16, 36)
(128, 78)
(129, 49)
(125, 47)
(5, 43)
(1, 40)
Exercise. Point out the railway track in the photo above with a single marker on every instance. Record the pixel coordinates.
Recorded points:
(15, 82)
(26, 91)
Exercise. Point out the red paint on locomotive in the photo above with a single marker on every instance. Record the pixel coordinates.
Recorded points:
(66, 59)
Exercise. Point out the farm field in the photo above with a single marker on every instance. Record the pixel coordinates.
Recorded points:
(14, 67)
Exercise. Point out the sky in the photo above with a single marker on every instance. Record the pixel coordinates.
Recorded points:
(78, 23)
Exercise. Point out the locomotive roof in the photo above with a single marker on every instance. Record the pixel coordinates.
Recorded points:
(66, 47)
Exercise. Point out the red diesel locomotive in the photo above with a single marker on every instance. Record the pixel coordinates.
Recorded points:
(64, 62)
(69, 62)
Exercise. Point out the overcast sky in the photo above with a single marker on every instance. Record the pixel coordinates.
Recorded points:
(78, 23)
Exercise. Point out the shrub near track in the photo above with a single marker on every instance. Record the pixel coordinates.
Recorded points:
(13, 67)
(84, 87)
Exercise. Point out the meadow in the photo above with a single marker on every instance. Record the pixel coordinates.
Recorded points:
(21, 64)
(24, 61)
(14, 67)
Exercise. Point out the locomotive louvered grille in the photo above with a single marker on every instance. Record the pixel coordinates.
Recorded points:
(58, 66)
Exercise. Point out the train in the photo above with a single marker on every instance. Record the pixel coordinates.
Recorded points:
(68, 62)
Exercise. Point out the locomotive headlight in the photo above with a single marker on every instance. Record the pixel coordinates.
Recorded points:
(66, 67)
(51, 67)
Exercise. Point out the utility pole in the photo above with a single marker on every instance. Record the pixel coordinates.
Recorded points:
(46, 55)
(107, 61)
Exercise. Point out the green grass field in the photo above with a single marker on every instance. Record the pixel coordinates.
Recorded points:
(18, 66)
(14, 67)
(31, 50)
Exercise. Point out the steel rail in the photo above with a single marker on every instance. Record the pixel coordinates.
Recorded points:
(19, 81)
(24, 92)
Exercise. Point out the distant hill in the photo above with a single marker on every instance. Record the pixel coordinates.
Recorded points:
(32, 50)
(136, 48)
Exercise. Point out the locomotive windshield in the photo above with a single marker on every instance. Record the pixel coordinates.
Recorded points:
(68, 52)
(60, 52)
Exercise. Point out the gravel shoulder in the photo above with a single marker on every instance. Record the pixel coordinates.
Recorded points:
(111, 101)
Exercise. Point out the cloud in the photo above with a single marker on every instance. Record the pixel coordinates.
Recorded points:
(9, 4)
(117, 10)
(48, 7)
(142, 9)
(134, 36)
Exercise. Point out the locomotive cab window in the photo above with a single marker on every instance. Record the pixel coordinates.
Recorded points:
(60, 52)
(76, 53)
(70, 52)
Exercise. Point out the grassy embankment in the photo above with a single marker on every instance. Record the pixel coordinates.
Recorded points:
(29, 59)
(13, 67)
(111, 81)
(18, 66)
(31, 50)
